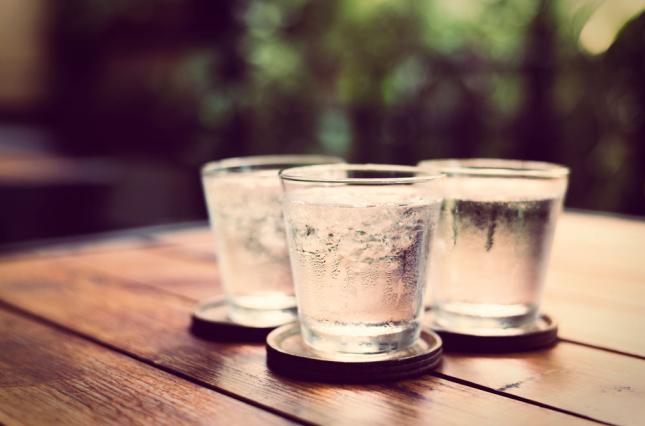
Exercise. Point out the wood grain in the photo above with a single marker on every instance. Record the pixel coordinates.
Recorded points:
(589, 319)
(601, 384)
(587, 372)
(617, 322)
(162, 267)
(152, 324)
(601, 243)
(596, 283)
(595, 286)
(51, 377)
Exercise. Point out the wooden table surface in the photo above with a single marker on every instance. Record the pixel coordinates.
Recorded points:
(95, 331)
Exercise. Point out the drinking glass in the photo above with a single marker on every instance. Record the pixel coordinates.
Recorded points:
(358, 239)
(492, 250)
(243, 196)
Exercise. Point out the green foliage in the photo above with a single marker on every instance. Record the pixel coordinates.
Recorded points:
(400, 81)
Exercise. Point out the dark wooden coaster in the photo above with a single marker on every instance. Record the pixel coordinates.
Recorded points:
(543, 334)
(210, 321)
(288, 355)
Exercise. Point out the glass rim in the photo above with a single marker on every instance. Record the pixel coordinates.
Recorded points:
(299, 174)
(497, 167)
(256, 161)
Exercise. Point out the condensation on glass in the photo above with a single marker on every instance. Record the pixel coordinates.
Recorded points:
(243, 196)
(496, 228)
(358, 238)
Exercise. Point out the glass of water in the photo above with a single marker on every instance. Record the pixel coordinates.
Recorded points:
(358, 241)
(243, 196)
(492, 249)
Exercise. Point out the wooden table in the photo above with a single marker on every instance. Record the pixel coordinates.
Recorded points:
(95, 331)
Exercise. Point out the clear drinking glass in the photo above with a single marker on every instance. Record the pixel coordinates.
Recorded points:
(492, 249)
(244, 205)
(358, 241)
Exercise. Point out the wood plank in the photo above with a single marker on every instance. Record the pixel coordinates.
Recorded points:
(166, 268)
(51, 377)
(600, 384)
(596, 283)
(143, 321)
(595, 317)
(564, 360)
(593, 254)
(617, 326)
(595, 287)
(603, 243)
(598, 318)
(592, 320)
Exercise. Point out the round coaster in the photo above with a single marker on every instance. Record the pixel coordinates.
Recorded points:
(287, 354)
(210, 321)
(542, 334)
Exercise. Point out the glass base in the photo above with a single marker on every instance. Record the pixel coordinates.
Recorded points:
(263, 310)
(484, 318)
(360, 339)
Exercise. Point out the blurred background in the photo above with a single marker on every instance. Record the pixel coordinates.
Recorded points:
(109, 107)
